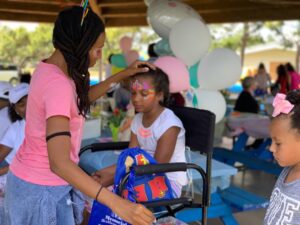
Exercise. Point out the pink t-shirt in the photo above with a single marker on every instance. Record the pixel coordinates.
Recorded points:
(51, 93)
(295, 80)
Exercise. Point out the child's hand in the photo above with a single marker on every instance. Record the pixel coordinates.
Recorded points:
(137, 67)
(133, 213)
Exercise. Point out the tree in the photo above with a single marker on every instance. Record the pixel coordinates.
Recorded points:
(287, 39)
(24, 48)
(236, 36)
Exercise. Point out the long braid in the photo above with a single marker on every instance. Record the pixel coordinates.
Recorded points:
(74, 41)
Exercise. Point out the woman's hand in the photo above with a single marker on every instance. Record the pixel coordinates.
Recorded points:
(133, 213)
(137, 67)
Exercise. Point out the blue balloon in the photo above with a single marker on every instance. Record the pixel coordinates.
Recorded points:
(162, 48)
(193, 71)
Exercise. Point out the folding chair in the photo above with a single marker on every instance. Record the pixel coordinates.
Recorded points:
(199, 126)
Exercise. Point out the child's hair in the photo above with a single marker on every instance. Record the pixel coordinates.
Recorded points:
(160, 82)
(13, 116)
(294, 98)
(248, 82)
(74, 41)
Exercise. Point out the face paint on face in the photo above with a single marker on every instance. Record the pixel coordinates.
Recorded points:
(146, 90)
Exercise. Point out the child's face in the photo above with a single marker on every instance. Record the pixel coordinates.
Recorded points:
(143, 95)
(285, 142)
(20, 107)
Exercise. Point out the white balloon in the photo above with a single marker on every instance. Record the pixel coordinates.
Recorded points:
(219, 69)
(190, 40)
(164, 14)
(212, 101)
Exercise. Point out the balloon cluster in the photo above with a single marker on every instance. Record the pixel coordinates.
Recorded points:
(127, 57)
(184, 55)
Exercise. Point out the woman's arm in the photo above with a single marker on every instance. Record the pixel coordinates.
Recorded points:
(4, 151)
(61, 164)
(98, 90)
(166, 145)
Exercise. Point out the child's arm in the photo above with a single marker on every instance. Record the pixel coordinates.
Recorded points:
(166, 145)
(133, 141)
(106, 176)
(61, 164)
(4, 151)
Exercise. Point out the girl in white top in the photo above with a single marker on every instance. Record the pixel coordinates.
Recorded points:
(14, 136)
(4, 103)
(155, 128)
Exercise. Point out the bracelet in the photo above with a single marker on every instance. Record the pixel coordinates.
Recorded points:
(100, 189)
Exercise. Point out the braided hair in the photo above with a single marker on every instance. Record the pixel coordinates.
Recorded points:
(74, 41)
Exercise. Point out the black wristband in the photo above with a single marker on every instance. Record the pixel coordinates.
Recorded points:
(64, 133)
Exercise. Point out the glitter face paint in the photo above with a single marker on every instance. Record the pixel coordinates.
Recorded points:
(143, 87)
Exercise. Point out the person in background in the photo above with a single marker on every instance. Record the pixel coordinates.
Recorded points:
(44, 176)
(263, 80)
(14, 136)
(246, 102)
(4, 107)
(294, 76)
(151, 53)
(284, 206)
(122, 95)
(283, 80)
(25, 78)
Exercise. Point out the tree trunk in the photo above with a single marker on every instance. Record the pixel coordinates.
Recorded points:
(244, 41)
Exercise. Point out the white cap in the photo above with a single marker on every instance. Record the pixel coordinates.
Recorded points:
(4, 89)
(18, 92)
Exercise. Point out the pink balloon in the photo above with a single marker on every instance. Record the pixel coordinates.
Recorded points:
(125, 44)
(176, 71)
(131, 56)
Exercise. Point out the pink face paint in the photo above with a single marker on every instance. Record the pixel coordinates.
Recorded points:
(136, 85)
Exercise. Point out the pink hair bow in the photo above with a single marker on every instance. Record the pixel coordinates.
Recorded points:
(281, 105)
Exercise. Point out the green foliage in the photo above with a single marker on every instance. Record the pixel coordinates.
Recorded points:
(117, 117)
(22, 47)
(230, 35)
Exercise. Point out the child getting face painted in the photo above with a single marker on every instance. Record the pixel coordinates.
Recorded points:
(155, 128)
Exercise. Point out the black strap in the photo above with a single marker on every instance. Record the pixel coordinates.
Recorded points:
(64, 133)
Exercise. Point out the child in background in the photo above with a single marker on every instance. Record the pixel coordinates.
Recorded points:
(155, 128)
(284, 205)
(14, 136)
(4, 103)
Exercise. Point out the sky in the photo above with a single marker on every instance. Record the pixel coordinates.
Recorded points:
(27, 25)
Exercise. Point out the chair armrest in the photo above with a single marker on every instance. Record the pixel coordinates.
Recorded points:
(109, 146)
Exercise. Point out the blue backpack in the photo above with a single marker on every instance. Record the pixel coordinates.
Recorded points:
(143, 188)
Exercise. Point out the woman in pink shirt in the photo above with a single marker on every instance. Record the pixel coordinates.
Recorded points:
(44, 173)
